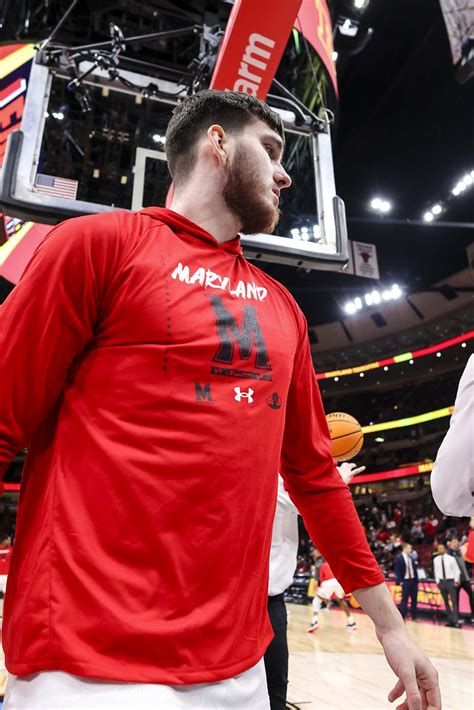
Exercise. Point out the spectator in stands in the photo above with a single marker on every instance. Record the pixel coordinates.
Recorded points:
(406, 575)
(465, 579)
(417, 532)
(447, 575)
(394, 544)
(428, 529)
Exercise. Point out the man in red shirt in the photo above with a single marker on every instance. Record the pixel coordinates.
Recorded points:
(160, 382)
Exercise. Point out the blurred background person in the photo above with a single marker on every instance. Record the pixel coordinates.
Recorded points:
(465, 578)
(406, 575)
(447, 575)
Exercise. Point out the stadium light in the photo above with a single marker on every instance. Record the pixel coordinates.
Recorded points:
(159, 139)
(306, 233)
(380, 205)
(436, 209)
(373, 298)
(466, 181)
(428, 217)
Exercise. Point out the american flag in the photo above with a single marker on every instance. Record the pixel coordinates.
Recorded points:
(56, 186)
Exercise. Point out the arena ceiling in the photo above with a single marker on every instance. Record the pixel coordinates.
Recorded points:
(403, 131)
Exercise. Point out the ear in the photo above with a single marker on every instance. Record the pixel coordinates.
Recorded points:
(217, 141)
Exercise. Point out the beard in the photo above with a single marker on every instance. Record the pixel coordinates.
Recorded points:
(244, 195)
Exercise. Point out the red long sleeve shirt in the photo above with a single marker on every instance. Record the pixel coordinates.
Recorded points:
(159, 380)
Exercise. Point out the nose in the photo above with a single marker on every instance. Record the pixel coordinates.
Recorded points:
(282, 178)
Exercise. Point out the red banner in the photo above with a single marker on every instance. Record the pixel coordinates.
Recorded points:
(15, 65)
(254, 42)
(314, 22)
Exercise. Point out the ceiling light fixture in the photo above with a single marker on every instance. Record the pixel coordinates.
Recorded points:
(373, 298)
(380, 205)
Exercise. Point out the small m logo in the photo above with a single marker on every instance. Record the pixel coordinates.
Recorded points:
(203, 393)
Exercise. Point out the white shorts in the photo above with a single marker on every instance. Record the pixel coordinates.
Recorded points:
(54, 690)
(330, 587)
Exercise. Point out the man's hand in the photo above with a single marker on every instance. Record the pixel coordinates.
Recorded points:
(348, 470)
(417, 677)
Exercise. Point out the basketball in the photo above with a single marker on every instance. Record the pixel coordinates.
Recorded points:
(346, 436)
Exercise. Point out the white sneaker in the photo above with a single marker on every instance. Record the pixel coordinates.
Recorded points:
(351, 624)
(314, 627)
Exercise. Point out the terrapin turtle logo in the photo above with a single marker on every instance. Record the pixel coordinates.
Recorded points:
(274, 402)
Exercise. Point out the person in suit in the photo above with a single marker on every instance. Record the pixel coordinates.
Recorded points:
(465, 579)
(448, 575)
(406, 575)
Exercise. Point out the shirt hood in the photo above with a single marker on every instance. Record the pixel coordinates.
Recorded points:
(182, 225)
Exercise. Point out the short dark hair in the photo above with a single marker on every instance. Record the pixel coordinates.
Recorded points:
(231, 109)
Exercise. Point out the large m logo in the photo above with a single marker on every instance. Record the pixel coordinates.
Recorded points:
(249, 337)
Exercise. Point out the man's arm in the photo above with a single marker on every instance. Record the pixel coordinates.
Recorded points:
(452, 478)
(456, 571)
(329, 514)
(46, 322)
(417, 677)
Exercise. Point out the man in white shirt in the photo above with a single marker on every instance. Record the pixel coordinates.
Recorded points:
(283, 554)
(447, 575)
(452, 478)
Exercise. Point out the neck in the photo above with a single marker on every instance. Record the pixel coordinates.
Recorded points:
(208, 209)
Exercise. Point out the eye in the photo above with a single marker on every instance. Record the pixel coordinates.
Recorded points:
(269, 150)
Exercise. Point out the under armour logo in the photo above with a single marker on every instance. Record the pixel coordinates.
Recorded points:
(239, 394)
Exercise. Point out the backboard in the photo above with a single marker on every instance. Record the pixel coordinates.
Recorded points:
(66, 162)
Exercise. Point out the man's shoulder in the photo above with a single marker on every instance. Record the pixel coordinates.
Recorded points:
(275, 287)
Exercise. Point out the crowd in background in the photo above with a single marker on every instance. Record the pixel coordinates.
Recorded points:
(388, 525)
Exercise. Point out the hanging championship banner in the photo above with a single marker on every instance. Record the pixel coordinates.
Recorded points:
(365, 260)
(314, 22)
(253, 44)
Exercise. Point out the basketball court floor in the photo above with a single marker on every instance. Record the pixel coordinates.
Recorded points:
(337, 669)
